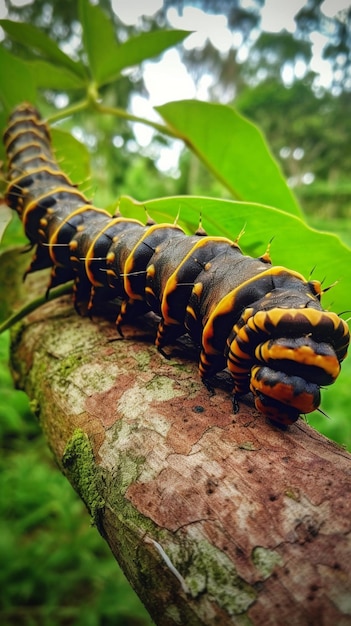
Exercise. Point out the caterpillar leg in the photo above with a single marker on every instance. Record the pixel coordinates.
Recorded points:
(166, 335)
(130, 309)
(40, 261)
(59, 276)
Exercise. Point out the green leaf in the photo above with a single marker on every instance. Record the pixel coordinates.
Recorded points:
(49, 76)
(16, 81)
(138, 49)
(34, 38)
(72, 155)
(233, 149)
(107, 57)
(98, 37)
(295, 245)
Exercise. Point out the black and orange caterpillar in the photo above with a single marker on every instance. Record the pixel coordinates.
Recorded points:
(264, 322)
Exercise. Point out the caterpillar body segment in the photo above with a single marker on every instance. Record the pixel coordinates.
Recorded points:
(264, 322)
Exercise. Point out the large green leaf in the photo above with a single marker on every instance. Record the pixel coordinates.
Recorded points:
(72, 155)
(16, 81)
(140, 48)
(98, 37)
(50, 76)
(107, 57)
(36, 39)
(294, 244)
(233, 149)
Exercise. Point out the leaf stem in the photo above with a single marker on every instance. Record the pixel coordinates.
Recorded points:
(35, 304)
(115, 111)
(78, 106)
(118, 112)
(171, 132)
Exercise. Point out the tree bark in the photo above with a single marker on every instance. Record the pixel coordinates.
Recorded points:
(215, 518)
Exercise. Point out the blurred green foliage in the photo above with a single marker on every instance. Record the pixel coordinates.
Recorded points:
(309, 134)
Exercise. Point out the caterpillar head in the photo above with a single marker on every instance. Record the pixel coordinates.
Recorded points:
(284, 356)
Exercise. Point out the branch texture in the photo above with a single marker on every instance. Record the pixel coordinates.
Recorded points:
(215, 518)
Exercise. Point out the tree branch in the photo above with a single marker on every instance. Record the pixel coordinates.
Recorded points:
(215, 518)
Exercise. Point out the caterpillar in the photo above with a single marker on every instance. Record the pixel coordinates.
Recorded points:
(265, 323)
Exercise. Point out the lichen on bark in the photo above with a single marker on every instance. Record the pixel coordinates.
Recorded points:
(79, 465)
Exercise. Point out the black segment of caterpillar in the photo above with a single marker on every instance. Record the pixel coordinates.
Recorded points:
(264, 322)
